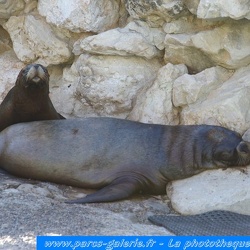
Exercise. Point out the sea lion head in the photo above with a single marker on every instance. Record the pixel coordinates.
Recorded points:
(33, 76)
(230, 149)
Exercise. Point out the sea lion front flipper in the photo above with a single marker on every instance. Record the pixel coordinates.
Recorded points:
(116, 190)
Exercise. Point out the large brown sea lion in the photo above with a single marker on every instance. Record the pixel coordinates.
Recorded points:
(29, 99)
(118, 157)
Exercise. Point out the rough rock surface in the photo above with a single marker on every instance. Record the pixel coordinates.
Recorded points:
(81, 15)
(30, 34)
(225, 106)
(154, 104)
(31, 208)
(179, 49)
(135, 39)
(10, 67)
(106, 85)
(9, 8)
(188, 89)
(5, 41)
(220, 9)
(226, 45)
(153, 11)
(190, 24)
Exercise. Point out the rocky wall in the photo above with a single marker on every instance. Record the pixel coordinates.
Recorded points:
(157, 61)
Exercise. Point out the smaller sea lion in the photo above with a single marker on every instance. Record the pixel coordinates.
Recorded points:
(118, 157)
(29, 99)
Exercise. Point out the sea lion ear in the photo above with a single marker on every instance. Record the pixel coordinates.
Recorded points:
(243, 147)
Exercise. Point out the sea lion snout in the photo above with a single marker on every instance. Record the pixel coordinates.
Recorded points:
(243, 150)
(36, 74)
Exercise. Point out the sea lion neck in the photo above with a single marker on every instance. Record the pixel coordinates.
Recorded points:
(184, 151)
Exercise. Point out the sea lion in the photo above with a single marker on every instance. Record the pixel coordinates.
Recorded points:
(118, 157)
(29, 99)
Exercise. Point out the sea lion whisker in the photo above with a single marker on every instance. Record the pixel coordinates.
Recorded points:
(241, 160)
(40, 71)
(31, 73)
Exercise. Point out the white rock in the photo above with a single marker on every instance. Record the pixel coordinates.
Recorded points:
(192, 5)
(10, 7)
(154, 104)
(179, 49)
(124, 17)
(81, 15)
(188, 89)
(154, 36)
(235, 9)
(190, 24)
(137, 38)
(34, 41)
(155, 12)
(63, 92)
(105, 85)
(246, 135)
(212, 190)
(226, 106)
(10, 191)
(226, 46)
(5, 41)
(10, 68)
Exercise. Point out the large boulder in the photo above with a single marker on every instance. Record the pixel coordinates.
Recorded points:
(137, 38)
(9, 70)
(81, 15)
(188, 89)
(235, 9)
(104, 85)
(10, 7)
(155, 12)
(30, 34)
(154, 104)
(5, 41)
(212, 190)
(225, 106)
(226, 45)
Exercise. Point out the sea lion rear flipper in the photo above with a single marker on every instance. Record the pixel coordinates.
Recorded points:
(116, 190)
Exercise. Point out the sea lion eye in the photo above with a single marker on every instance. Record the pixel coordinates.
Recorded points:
(223, 156)
(243, 148)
